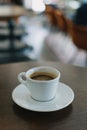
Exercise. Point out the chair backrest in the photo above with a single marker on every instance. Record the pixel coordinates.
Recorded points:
(61, 21)
(69, 26)
(78, 34)
(50, 14)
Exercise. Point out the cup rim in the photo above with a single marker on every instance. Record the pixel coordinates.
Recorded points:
(32, 70)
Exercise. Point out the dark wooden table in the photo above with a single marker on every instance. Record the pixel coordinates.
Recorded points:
(73, 117)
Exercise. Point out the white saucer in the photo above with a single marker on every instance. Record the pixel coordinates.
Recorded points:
(64, 97)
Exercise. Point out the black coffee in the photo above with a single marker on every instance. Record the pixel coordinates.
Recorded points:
(42, 76)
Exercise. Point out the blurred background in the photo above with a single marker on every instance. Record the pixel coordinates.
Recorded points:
(42, 30)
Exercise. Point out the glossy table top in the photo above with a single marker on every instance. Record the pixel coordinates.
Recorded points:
(73, 117)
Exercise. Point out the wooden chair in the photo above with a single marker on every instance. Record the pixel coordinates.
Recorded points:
(50, 14)
(69, 26)
(60, 19)
(78, 34)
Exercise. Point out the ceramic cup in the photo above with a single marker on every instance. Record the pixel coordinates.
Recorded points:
(42, 82)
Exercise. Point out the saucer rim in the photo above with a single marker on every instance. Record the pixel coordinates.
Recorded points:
(53, 110)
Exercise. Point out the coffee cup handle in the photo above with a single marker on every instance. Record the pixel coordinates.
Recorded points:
(20, 78)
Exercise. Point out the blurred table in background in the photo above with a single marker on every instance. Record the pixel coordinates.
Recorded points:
(10, 14)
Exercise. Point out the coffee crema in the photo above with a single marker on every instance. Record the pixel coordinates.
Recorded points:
(42, 76)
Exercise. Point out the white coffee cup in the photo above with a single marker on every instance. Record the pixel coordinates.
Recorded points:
(44, 88)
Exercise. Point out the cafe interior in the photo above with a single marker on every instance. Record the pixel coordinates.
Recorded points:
(43, 30)
(43, 60)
